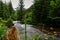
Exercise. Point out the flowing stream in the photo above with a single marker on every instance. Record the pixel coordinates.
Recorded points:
(31, 31)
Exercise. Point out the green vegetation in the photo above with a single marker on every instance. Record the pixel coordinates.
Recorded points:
(3, 29)
(40, 37)
(42, 12)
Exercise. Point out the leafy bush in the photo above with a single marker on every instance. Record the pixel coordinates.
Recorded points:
(41, 37)
(3, 30)
(28, 17)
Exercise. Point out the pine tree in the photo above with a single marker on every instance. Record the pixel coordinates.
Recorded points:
(20, 11)
(41, 11)
(5, 11)
(36, 12)
(10, 9)
(1, 8)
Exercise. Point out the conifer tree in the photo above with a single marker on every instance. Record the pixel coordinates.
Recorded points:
(10, 9)
(1, 8)
(41, 11)
(5, 11)
(20, 11)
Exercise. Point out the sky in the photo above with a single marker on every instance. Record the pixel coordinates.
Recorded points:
(27, 3)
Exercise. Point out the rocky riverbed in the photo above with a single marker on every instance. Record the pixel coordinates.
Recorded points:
(31, 31)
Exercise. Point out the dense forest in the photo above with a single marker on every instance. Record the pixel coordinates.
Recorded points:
(45, 12)
(42, 12)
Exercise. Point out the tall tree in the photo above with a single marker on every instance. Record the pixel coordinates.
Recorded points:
(55, 6)
(41, 11)
(1, 8)
(11, 10)
(21, 16)
(5, 10)
(20, 11)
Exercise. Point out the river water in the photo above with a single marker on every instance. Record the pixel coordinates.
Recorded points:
(31, 31)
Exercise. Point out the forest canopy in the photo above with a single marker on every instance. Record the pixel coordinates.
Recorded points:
(42, 11)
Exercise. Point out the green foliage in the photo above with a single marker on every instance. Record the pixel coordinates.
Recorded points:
(1, 8)
(6, 10)
(3, 30)
(51, 38)
(14, 16)
(54, 8)
(41, 37)
(41, 11)
(28, 17)
(20, 10)
(54, 14)
(10, 11)
(9, 23)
